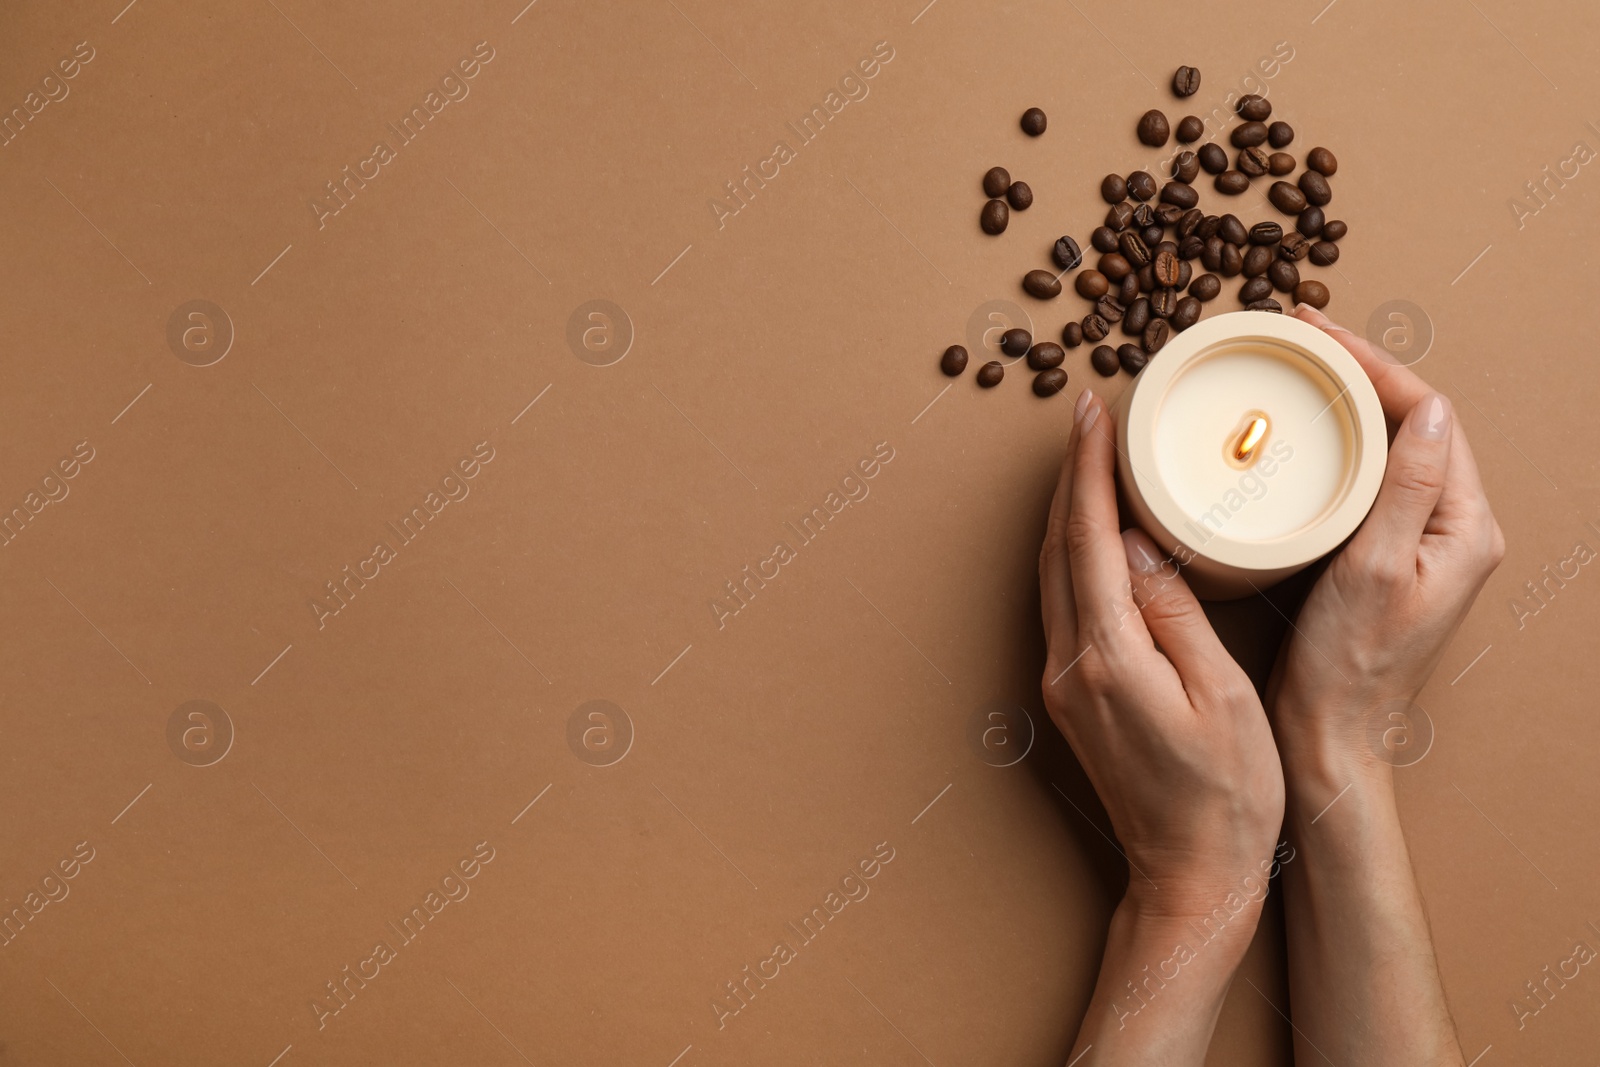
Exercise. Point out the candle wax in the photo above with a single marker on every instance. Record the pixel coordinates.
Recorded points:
(1301, 469)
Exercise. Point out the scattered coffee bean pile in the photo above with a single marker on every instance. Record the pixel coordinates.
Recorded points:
(1145, 280)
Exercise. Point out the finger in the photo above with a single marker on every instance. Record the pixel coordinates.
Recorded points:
(1094, 549)
(1399, 389)
(1412, 482)
(1173, 615)
(1055, 572)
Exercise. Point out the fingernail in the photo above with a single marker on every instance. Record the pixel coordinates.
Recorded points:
(1431, 419)
(1307, 313)
(1143, 556)
(1085, 398)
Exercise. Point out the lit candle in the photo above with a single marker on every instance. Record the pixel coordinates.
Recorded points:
(1249, 447)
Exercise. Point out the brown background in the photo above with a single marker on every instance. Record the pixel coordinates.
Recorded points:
(767, 359)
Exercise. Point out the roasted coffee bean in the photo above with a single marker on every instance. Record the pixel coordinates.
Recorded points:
(1232, 261)
(995, 216)
(996, 180)
(1211, 254)
(1016, 341)
(1165, 267)
(1020, 196)
(1137, 317)
(1279, 164)
(1041, 284)
(1310, 222)
(1144, 215)
(1072, 334)
(1253, 162)
(1141, 185)
(1128, 291)
(1311, 292)
(1091, 285)
(1316, 188)
(1134, 248)
(1108, 308)
(1046, 354)
(1255, 289)
(1268, 304)
(1114, 188)
(1324, 253)
(990, 373)
(1147, 279)
(954, 360)
(1232, 182)
(1169, 214)
(1253, 108)
(1187, 315)
(1185, 166)
(1132, 358)
(1334, 230)
(1251, 133)
(1153, 128)
(1233, 231)
(1119, 216)
(1284, 274)
(1185, 272)
(1066, 253)
(1115, 266)
(1033, 122)
(1151, 233)
(1286, 198)
(1104, 239)
(1257, 260)
(1266, 233)
(1155, 336)
(1189, 222)
(1191, 247)
(1280, 134)
(1163, 302)
(1322, 161)
(1208, 226)
(1186, 81)
(1190, 129)
(1205, 287)
(1213, 159)
(1049, 382)
(1104, 361)
(1294, 247)
(1179, 194)
(1095, 328)
(1163, 246)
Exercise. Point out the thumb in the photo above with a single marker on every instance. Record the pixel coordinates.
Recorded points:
(1412, 481)
(1172, 614)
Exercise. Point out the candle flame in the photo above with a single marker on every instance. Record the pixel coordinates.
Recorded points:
(1252, 437)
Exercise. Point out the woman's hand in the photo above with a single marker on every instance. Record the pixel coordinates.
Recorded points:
(1171, 734)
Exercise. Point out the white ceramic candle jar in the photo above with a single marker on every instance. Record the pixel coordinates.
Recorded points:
(1252, 445)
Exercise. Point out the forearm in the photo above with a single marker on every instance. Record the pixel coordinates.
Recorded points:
(1162, 982)
(1363, 980)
